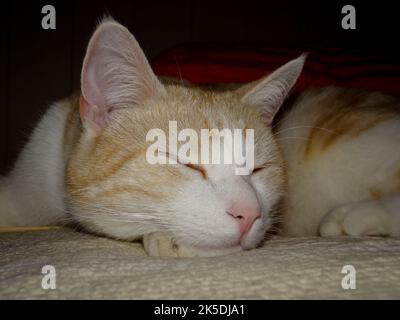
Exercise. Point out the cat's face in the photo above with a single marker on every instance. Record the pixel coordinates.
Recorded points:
(113, 187)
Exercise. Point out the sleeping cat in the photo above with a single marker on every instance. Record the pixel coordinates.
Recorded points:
(329, 166)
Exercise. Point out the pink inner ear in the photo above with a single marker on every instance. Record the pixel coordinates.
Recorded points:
(96, 117)
(115, 75)
(92, 76)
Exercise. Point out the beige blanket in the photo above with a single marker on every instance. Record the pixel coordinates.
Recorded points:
(93, 267)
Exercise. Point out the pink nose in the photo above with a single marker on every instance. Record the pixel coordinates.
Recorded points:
(245, 217)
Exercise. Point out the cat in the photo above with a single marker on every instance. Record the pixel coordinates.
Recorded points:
(329, 166)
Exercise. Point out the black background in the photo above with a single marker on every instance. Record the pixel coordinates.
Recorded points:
(254, 309)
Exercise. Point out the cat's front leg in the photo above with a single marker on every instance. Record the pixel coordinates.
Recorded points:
(158, 244)
(371, 217)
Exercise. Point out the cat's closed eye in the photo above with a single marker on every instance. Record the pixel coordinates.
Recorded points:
(255, 170)
(198, 168)
(261, 167)
(191, 166)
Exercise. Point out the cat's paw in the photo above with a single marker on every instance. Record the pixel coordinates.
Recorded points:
(356, 219)
(159, 244)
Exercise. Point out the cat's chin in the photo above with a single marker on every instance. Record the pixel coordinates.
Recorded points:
(250, 241)
(160, 244)
(203, 251)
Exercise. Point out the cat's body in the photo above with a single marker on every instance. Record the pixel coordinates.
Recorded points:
(340, 171)
(341, 147)
(33, 193)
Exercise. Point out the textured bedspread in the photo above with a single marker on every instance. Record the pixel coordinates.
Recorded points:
(93, 267)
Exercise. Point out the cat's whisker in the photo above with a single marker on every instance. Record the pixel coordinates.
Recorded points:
(294, 138)
(99, 216)
(152, 216)
(304, 127)
(179, 70)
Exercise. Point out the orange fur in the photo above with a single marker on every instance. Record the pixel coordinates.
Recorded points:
(346, 113)
(100, 163)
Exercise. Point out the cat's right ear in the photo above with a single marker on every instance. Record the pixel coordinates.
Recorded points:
(115, 75)
(269, 93)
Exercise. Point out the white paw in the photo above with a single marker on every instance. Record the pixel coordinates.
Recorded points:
(159, 244)
(357, 219)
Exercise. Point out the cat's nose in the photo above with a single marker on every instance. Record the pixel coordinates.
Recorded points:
(245, 217)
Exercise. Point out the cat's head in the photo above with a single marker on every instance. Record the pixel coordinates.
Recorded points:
(113, 187)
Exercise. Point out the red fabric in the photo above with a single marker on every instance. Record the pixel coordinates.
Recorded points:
(212, 64)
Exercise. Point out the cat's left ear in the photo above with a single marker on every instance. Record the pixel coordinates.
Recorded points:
(270, 92)
(115, 75)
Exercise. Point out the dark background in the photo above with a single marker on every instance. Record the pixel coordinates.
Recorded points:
(39, 66)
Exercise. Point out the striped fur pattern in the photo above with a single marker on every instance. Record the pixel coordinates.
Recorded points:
(341, 148)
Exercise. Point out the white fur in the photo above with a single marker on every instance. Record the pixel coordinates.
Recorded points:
(33, 192)
(368, 217)
(339, 176)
